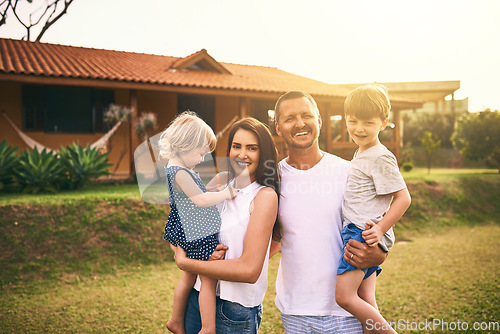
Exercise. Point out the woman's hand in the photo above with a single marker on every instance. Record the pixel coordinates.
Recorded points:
(219, 253)
(179, 256)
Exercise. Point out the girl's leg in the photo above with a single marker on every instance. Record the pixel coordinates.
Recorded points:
(346, 295)
(207, 304)
(181, 295)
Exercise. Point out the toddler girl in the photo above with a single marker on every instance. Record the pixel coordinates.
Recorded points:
(193, 221)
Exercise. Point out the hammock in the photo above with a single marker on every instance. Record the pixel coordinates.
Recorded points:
(220, 133)
(100, 144)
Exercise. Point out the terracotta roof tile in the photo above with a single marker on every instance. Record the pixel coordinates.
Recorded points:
(53, 60)
(43, 59)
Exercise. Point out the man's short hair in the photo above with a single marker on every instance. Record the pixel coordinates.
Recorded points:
(294, 94)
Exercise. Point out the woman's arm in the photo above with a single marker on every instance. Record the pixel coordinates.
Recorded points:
(275, 248)
(186, 183)
(248, 267)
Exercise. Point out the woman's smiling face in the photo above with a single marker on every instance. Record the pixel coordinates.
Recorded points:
(244, 153)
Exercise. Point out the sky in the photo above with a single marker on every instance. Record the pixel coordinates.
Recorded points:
(332, 41)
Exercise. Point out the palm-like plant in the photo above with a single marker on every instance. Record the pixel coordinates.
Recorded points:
(8, 161)
(82, 164)
(39, 171)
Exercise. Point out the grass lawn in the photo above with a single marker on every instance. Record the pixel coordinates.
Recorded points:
(92, 191)
(451, 276)
(93, 261)
(446, 173)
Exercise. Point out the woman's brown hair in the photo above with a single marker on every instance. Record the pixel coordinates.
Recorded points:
(266, 173)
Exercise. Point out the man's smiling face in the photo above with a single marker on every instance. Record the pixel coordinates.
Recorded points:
(298, 123)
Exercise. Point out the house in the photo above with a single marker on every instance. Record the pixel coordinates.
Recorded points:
(434, 94)
(57, 94)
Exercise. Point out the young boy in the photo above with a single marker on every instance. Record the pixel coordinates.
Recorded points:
(374, 181)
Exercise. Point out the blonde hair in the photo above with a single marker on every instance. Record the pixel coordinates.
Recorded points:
(368, 101)
(185, 133)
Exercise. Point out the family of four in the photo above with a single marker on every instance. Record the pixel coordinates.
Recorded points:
(333, 223)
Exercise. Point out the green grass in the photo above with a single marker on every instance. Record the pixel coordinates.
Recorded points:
(95, 260)
(93, 191)
(450, 276)
(447, 173)
(453, 275)
(87, 236)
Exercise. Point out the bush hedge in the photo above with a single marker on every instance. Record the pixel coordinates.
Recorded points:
(47, 171)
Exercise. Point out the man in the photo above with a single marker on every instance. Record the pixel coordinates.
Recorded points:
(310, 211)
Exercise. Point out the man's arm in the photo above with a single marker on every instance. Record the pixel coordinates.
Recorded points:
(363, 256)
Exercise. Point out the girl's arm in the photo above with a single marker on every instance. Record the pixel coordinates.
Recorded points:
(248, 267)
(185, 182)
(398, 207)
(219, 180)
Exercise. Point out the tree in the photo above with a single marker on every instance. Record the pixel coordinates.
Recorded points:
(478, 137)
(415, 124)
(430, 143)
(41, 13)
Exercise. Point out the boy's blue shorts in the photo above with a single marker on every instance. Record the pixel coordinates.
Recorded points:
(351, 231)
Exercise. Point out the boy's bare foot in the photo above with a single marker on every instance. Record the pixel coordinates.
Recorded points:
(175, 327)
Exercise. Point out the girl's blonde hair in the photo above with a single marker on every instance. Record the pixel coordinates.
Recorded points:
(365, 102)
(185, 133)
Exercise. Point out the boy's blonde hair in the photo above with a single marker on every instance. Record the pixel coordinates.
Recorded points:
(368, 101)
(185, 133)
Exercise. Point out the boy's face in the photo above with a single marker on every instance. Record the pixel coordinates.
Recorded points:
(365, 132)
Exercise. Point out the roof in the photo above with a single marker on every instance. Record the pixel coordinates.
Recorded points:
(423, 90)
(62, 61)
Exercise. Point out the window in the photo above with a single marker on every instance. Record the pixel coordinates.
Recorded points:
(64, 109)
(202, 105)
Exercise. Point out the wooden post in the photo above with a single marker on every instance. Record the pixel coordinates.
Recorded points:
(244, 107)
(344, 138)
(453, 103)
(133, 142)
(396, 135)
(328, 127)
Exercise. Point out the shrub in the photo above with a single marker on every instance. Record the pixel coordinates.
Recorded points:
(39, 171)
(407, 166)
(82, 164)
(8, 160)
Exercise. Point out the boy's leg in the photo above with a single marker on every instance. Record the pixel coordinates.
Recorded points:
(207, 304)
(346, 295)
(181, 295)
(366, 290)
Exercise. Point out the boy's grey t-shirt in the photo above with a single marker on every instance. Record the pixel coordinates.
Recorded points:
(373, 178)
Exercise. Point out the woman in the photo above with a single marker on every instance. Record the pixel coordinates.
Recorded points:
(248, 221)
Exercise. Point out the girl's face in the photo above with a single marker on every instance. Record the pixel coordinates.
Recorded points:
(244, 153)
(194, 157)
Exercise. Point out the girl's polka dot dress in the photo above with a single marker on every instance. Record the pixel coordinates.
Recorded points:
(192, 227)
